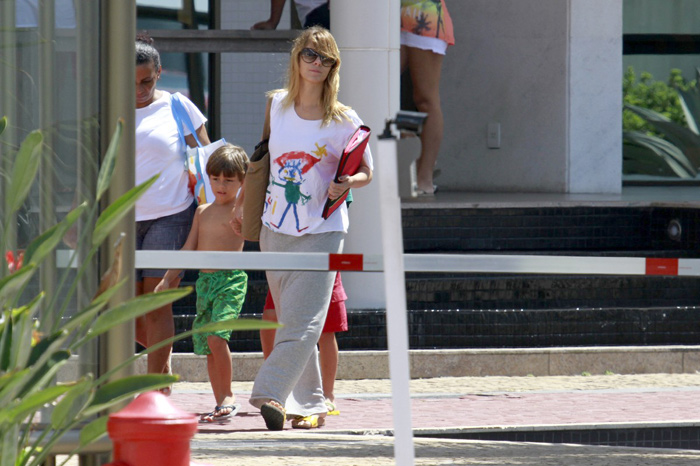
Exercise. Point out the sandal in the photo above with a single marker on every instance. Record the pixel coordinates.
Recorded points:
(216, 414)
(308, 422)
(274, 415)
(332, 409)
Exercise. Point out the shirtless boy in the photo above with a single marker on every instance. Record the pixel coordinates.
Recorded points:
(220, 293)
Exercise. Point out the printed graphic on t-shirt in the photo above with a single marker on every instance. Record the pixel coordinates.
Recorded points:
(290, 176)
(426, 18)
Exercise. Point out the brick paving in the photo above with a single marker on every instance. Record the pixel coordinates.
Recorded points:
(458, 403)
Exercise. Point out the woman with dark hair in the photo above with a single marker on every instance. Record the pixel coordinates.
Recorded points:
(164, 213)
(308, 131)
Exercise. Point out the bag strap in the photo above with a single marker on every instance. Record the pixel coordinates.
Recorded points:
(266, 125)
(180, 115)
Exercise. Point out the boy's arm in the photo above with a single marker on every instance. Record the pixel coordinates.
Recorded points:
(190, 245)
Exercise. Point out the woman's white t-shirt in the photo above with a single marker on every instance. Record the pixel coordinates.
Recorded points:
(159, 150)
(303, 161)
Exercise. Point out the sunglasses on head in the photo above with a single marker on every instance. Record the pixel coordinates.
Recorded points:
(310, 56)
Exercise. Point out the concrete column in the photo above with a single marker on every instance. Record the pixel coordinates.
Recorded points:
(367, 32)
(595, 96)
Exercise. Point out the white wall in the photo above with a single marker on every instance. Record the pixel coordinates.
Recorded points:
(532, 66)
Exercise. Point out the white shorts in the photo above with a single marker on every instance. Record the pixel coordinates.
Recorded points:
(424, 43)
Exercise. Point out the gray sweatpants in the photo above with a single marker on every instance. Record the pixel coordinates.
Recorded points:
(291, 374)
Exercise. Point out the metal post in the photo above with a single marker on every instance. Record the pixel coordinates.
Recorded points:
(395, 288)
(47, 123)
(117, 100)
(8, 107)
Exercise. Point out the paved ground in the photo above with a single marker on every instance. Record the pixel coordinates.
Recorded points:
(457, 403)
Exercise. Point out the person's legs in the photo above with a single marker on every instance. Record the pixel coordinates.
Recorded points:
(425, 67)
(165, 233)
(328, 357)
(141, 336)
(159, 327)
(220, 372)
(267, 337)
(291, 375)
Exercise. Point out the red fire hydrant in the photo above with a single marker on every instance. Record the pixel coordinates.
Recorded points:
(150, 431)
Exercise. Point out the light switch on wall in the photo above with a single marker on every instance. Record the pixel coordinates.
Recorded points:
(493, 136)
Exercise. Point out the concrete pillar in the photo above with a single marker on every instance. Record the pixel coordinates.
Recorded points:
(549, 73)
(367, 32)
(595, 96)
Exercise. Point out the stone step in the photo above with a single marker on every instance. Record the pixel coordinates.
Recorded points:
(356, 365)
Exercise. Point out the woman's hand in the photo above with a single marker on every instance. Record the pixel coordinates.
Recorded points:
(162, 285)
(335, 190)
(237, 221)
(362, 178)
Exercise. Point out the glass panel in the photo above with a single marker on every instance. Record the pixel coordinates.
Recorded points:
(48, 76)
(661, 17)
(185, 73)
(662, 101)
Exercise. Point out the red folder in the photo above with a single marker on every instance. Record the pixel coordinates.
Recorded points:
(349, 163)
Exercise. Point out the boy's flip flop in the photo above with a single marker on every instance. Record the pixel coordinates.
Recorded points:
(216, 415)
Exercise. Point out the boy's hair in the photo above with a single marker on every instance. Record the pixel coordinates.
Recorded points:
(229, 161)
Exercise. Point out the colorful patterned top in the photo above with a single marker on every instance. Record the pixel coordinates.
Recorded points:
(427, 18)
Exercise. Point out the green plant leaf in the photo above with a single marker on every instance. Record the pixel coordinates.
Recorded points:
(11, 284)
(690, 103)
(11, 383)
(6, 342)
(24, 171)
(119, 390)
(133, 308)
(658, 157)
(237, 325)
(3, 125)
(22, 333)
(40, 376)
(230, 324)
(69, 408)
(117, 210)
(104, 297)
(83, 316)
(45, 243)
(684, 139)
(32, 403)
(109, 161)
(46, 346)
(93, 430)
(8, 456)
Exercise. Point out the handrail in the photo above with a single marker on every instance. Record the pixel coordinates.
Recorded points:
(222, 40)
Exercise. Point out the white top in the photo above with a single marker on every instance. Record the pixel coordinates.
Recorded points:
(159, 150)
(303, 160)
(304, 7)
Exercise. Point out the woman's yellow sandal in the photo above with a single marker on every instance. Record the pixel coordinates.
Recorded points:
(308, 422)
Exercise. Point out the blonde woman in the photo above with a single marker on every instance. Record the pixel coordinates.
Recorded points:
(308, 131)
